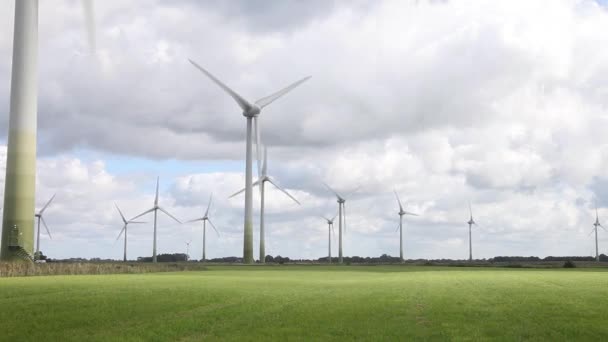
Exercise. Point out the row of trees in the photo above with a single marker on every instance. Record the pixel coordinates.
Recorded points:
(383, 259)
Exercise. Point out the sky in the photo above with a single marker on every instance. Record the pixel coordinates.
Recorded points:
(500, 104)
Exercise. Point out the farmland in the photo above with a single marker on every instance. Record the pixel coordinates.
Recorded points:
(310, 303)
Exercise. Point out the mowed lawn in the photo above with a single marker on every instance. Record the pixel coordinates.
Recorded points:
(310, 303)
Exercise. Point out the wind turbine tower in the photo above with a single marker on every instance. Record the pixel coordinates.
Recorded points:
(595, 226)
(251, 112)
(471, 223)
(206, 219)
(20, 181)
(124, 229)
(341, 217)
(260, 182)
(330, 228)
(39, 218)
(155, 209)
(401, 214)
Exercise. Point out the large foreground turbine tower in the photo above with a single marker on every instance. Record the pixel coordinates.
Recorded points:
(251, 113)
(20, 181)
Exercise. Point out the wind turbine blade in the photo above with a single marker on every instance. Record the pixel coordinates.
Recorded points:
(245, 106)
(213, 226)
(398, 200)
(397, 228)
(156, 198)
(124, 220)
(257, 182)
(332, 190)
(171, 216)
(122, 230)
(408, 213)
(142, 214)
(265, 101)
(46, 227)
(209, 205)
(470, 210)
(283, 190)
(591, 232)
(333, 218)
(333, 230)
(344, 214)
(136, 222)
(195, 220)
(89, 16)
(47, 204)
(352, 192)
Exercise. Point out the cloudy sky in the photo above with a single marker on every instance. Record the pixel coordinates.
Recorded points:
(503, 104)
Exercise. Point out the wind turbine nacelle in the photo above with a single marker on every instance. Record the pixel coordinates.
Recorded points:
(252, 112)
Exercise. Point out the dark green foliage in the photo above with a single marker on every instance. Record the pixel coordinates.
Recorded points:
(569, 264)
(175, 257)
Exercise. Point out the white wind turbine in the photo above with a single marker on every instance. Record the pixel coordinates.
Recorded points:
(471, 223)
(400, 228)
(154, 209)
(188, 249)
(260, 182)
(595, 225)
(341, 217)
(330, 228)
(206, 219)
(251, 112)
(124, 229)
(20, 180)
(39, 217)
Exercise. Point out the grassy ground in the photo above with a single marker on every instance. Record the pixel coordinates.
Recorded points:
(310, 303)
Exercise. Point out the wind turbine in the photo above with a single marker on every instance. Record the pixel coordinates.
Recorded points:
(188, 249)
(471, 223)
(124, 229)
(39, 217)
(595, 225)
(400, 228)
(20, 181)
(154, 209)
(205, 218)
(330, 228)
(341, 217)
(251, 112)
(260, 182)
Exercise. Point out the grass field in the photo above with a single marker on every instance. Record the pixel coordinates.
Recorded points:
(310, 303)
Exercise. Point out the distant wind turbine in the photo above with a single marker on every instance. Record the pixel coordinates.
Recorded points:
(188, 250)
(595, 225)
(260, 182)
(124, 229)
(205, 218)
(471, 223)
(251, 112)
(330, 228)
(20, 182)
(400, 228)
(154, 209)
(39, 217)
(341, 217)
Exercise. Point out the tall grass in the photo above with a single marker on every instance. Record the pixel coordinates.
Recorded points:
(24, 269)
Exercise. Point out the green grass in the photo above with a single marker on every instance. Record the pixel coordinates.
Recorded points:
(310, 303)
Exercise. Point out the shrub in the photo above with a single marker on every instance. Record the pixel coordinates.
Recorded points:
(569, 264)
